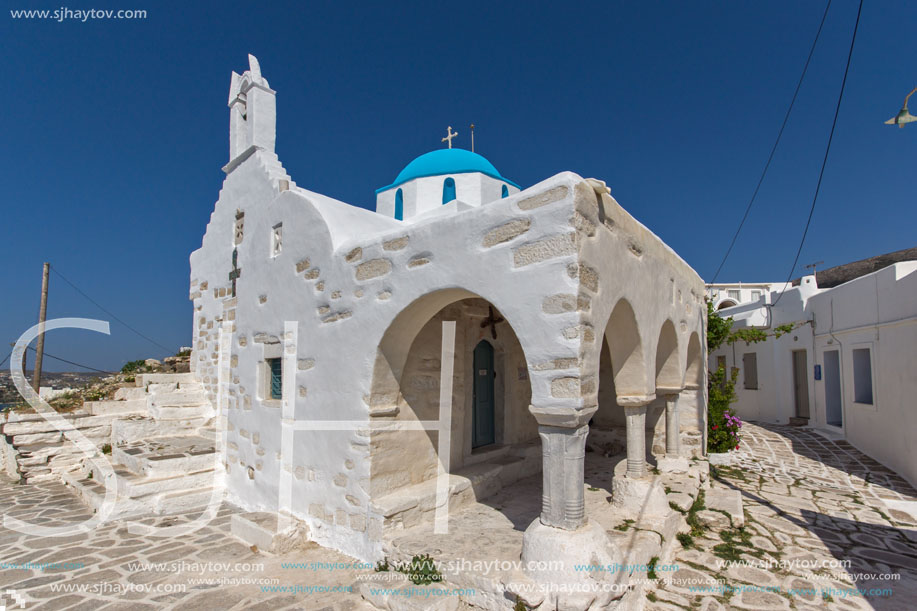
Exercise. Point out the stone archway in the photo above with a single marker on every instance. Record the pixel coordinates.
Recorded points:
(406, 387)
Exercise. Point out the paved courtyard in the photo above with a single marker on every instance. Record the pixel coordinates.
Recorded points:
(811, 505)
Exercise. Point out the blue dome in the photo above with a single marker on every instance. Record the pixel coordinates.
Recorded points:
(446, 161)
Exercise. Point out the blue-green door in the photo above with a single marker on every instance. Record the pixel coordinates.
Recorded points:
(482, 415)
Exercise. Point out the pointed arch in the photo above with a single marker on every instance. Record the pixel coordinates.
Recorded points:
(694, 373)
(626, 349)
(668, 368)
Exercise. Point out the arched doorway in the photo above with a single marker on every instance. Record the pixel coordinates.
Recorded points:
(491, 394)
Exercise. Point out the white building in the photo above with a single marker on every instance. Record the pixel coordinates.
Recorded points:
(848, 368)
(729, 294)
(307, 309)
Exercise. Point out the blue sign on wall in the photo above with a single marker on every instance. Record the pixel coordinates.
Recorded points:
(818, 372)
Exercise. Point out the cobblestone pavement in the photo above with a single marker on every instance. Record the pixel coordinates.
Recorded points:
(811, 505)
(184, 581)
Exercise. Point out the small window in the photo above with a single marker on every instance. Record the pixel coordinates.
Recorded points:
(750, 370)
(399, 205)
(238, 228)
(277, 239)
(734, 295)
(755, 295)
(505, 192)
(275, 383)
(448, 190)
(862, 376)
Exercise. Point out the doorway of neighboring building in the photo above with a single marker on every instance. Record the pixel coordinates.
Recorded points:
(801, 383)
(482, 415)
(833, 405)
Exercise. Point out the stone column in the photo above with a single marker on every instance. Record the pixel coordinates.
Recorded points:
(563, 445)
(562, 535)
(672, 427)
(635, 414)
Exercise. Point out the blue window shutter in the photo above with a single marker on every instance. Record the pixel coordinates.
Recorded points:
(448, 190)
(399, 205)
(505, 191)
(276, 366)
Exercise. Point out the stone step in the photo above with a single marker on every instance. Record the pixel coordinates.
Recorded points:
(167, 455)
(138, 428)
(178, 398)
(127, 393)
(92, 493)
(180, 404)
(414, 504)
(164, 378)
(131, 485)
(260, 528)
(127, 406)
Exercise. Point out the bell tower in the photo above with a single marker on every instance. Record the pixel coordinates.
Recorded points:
(252, 115)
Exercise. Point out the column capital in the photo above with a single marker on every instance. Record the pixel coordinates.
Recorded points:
(562, 417)
(636, 400)
(669, 393)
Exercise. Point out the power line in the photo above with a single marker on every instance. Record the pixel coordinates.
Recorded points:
(57, 358)
(774, 149)
(4, 359)
(94, 302)
(824, 162)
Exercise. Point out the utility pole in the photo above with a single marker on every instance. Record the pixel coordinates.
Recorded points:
(42, 316)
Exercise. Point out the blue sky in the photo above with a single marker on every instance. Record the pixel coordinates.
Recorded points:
(115, 130)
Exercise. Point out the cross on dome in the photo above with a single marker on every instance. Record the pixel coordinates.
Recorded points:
(449, 136)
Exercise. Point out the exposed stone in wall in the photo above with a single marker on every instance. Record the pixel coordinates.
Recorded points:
(583, 225)
(302, 266)
(561, 363)
(262, 299)
(585, 331)
(418, 261)
(589, 278)
(358, 293)
(583, 302)
(383, 295)
(543, 199)
(506, 232)
(373, 269)
(323, 309)
(312, 274)
(303, 391)
(570, 387)
(336, 295)
(304, 364)
(354, 255)
(320, 286)
(558, 304)
(635, 249)
(337, 316)
(555, 246)
(396, 244)
(565, 388)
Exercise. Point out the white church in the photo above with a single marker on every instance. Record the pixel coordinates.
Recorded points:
(468, 325)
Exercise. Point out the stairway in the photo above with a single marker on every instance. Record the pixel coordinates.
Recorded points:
(163, 454)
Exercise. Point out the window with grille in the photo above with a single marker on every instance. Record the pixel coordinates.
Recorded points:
(275, 384)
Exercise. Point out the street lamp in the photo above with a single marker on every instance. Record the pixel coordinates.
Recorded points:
(903, 116)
